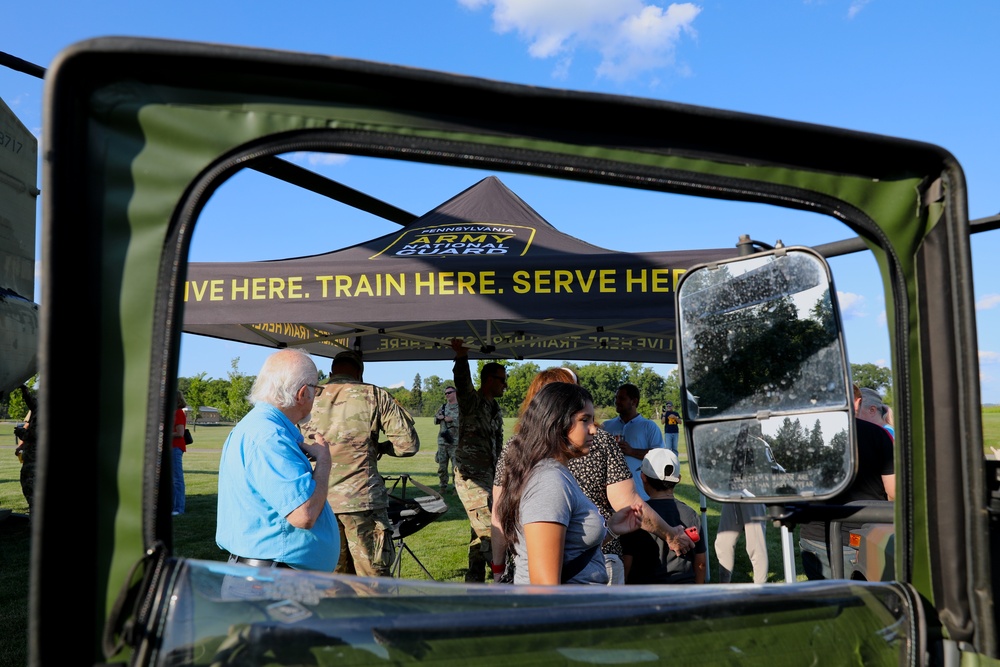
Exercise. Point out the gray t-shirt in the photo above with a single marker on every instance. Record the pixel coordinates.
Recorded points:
(552, 495)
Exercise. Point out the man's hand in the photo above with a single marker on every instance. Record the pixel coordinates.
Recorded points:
(318, 451)
(679, 541)
(458, 345)
(626, 448)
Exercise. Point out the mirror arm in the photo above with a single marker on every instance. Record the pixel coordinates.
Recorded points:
(858, 511)
(747, 246)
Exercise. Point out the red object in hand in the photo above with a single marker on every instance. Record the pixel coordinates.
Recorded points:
(692, 532)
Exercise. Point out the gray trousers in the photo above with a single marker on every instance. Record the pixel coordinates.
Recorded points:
(738, 518)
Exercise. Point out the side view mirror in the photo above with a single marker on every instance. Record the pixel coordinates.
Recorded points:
(764, 371)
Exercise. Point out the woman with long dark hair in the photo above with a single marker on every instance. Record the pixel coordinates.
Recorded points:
(555, 530)
(604, 477)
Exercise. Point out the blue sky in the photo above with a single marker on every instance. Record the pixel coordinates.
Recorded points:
(919, 70)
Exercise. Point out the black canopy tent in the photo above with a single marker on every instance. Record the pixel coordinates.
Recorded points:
(483, 266)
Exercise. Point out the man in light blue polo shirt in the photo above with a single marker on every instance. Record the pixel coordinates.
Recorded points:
(272, 509)
(635, 434)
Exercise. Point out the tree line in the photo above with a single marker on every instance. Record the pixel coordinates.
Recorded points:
(425, 395)
(602, 380)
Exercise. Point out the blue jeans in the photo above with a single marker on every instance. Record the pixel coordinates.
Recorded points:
(671, 441)
(178, 472)
(816, 559)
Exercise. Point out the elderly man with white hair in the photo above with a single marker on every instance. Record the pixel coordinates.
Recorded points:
(272, 506)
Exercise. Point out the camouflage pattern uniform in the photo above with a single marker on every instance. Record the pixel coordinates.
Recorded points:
(479, 442)
(350, 414)
(446, 450)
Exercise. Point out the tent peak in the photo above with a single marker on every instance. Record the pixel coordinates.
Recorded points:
(488, 201)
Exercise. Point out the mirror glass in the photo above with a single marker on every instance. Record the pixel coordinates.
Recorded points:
(760, 334)
(764, 374)
(804, 455)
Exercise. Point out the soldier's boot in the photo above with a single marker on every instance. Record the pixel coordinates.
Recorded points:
(478, 563)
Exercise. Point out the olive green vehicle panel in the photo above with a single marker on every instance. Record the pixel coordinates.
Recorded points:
(138, 133)
(221, 616)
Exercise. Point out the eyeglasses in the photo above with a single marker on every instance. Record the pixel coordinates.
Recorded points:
(450, 391)
(317, 389)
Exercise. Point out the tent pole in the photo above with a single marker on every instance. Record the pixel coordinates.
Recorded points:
(704, 536)
(788, 553)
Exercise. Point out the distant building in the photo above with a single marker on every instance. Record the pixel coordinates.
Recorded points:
(206, 415)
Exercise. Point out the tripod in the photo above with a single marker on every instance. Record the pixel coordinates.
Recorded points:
(399, 525)
(401, 546)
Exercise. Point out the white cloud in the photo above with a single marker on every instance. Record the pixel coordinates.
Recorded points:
(988, 302)
(18, 101)
(561, 71)
(851, 305)
(986, 380)
(856, 7)
(632, 37)
(318, 159)
(882, 319)
(647, 41)
(986, 357)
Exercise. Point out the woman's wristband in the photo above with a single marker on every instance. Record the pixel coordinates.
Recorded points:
(498, 568)
(612, 533)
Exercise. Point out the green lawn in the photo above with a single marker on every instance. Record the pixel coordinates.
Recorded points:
(991, 429)
(441, 546)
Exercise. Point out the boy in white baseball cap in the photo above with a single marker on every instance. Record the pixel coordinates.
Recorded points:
(647, 559)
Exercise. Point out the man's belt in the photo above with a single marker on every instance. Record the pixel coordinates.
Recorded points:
(257, 562)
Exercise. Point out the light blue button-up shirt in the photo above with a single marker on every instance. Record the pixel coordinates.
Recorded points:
(641, 433)
(263, 476)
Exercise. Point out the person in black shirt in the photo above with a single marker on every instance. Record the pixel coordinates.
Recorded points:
(876, 480)
(647, 557)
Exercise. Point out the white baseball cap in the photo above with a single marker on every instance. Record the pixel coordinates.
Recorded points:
(662, 464)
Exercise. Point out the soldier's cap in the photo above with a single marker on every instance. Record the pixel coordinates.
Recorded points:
(662, 464)
(350, 356)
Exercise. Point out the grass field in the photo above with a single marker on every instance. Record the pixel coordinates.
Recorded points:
(441, 546)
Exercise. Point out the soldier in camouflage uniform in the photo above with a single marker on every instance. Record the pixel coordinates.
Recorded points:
(479, 442)
(447, 420)
(350, 414)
